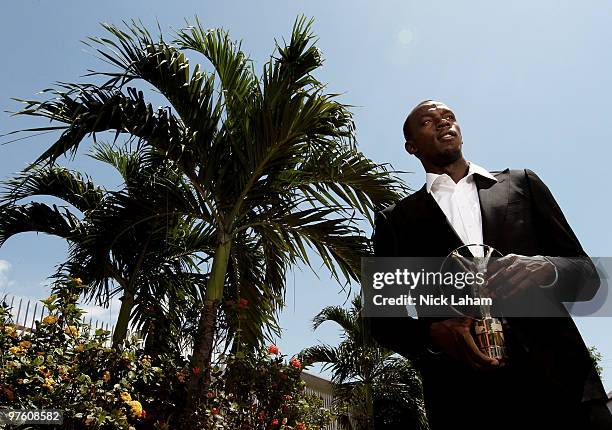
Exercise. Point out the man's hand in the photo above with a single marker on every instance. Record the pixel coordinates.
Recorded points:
(514, 273)
(453, 337)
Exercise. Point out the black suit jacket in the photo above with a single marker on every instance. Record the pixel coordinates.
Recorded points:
(520, 216)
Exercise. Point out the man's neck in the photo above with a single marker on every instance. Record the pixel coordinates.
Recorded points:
(456, 170)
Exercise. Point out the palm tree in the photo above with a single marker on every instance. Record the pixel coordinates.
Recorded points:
(272, 160)
(132, 241)
(373, 387)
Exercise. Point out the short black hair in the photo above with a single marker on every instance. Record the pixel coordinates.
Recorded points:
(406, 128)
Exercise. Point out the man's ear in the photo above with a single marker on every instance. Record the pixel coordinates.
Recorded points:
(410, 148)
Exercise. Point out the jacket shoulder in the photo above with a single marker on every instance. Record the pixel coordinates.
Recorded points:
(402, 204)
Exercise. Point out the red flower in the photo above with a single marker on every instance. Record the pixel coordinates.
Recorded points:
(143, 414)
(210, 394)
(215, 411)
(296, 363)
(274, 422)
(243, 302)
(273, 349)
(287, 397)
(196, 370)
(300, 426)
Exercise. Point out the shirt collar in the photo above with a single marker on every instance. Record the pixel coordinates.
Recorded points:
(473, 168)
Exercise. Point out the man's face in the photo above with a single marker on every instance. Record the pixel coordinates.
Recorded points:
(435, 134)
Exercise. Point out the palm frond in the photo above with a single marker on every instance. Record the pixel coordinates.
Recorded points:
(87, 109)
(192, 94)
(37, 217)
(233, 67)
(70, 186)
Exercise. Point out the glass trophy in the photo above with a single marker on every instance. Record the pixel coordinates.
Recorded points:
(487, 330)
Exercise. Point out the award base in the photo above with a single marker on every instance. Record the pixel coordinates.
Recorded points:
(489, 337)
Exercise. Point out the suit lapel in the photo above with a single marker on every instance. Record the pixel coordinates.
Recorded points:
(429, 213)
(493, 205)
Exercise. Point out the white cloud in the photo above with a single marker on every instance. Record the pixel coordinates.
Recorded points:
(5, 282)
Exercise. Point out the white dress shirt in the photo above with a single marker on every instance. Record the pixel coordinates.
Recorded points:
(460, 203)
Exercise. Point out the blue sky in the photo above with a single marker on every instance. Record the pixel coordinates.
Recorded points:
(529, 82)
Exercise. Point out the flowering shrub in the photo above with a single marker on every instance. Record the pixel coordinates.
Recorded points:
(60, 365)
(262, 391)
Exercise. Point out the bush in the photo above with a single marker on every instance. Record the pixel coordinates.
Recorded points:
(265, 393)
(62, 365)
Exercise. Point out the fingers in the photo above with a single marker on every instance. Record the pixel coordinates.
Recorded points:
(504, 273)
(477, 358)
(468, 348)
(502, 262)
(454, 337)
(514, 284)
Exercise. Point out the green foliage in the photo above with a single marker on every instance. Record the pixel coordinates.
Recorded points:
(63, 365)
(597, 358)
(372, 385)
(133, 241)
(265, 392)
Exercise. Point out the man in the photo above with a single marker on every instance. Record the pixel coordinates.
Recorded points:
(549, 380)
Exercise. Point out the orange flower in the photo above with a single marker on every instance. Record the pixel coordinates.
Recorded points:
(43, 371)
(125, 396)
(49, 384)
(71, 331)
(10, 330)
(300, 426)
(49, 319)
(296, 363)
(49, 299)
(135, 408)
(106, 376)
(25, 344)
(16, 350)
(273, 349)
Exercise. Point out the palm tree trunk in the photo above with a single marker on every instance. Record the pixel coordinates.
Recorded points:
(199, 380)
(123, 320)
(127, 302)
(369, 405)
